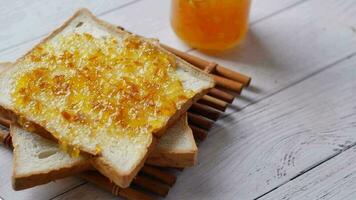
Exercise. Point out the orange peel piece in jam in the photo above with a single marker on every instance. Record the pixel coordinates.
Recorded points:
(94, 86)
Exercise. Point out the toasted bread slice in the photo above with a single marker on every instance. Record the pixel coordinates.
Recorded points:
(38, 160)
(177, 148)
(102, 91)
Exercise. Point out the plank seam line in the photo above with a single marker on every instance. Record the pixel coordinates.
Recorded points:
(119, 7)
(277, 12)
(311, 168)
(294, 5)
(43, 35)
(68, 190)
(298, 81)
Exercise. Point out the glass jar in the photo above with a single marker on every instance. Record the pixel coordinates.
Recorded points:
(210, 25)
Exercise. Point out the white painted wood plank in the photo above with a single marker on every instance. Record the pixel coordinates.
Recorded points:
(22, 21)
(265, 145)
(333, 180)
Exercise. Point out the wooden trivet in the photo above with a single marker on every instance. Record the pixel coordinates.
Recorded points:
(201, 117)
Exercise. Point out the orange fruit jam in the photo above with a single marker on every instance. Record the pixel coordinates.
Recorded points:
(211, 25)
(93, 87)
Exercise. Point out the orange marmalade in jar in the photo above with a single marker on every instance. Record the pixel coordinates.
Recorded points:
(210, 25)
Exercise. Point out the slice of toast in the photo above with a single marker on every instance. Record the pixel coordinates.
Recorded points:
(102, 91)
(177, 148)
(38, 160)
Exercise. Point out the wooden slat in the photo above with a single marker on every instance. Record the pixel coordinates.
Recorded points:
(105, 183)
(205, 111)
(199, 133)
(151, 185)
(86, 192)
(222, 95)
(159, 174)
(228, 84)
(5, 122)
(200, 121)
(213, 102)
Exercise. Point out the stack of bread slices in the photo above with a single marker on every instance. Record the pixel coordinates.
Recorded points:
(91, 96)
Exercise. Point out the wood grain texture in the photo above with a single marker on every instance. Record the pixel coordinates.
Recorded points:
(332, 180)
(265, 145)
(262, 9)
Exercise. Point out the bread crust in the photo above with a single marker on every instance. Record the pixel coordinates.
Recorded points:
(28, 180)
(31, 180)
(120, 178)
(105, 168)
(175, 158)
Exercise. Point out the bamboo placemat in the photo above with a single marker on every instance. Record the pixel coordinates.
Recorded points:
(153, 180)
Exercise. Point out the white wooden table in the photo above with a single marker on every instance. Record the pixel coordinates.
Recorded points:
(291, 136)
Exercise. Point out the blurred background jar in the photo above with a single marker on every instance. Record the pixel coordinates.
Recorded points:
(210, 25)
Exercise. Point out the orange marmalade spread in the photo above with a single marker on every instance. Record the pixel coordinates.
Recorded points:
(96, 86)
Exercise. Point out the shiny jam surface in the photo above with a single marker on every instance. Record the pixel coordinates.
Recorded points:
(211, 25)
(95, 86)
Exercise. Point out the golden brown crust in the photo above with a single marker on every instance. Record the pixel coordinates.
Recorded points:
(25, 181)
(124, 179)
(175, 158)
